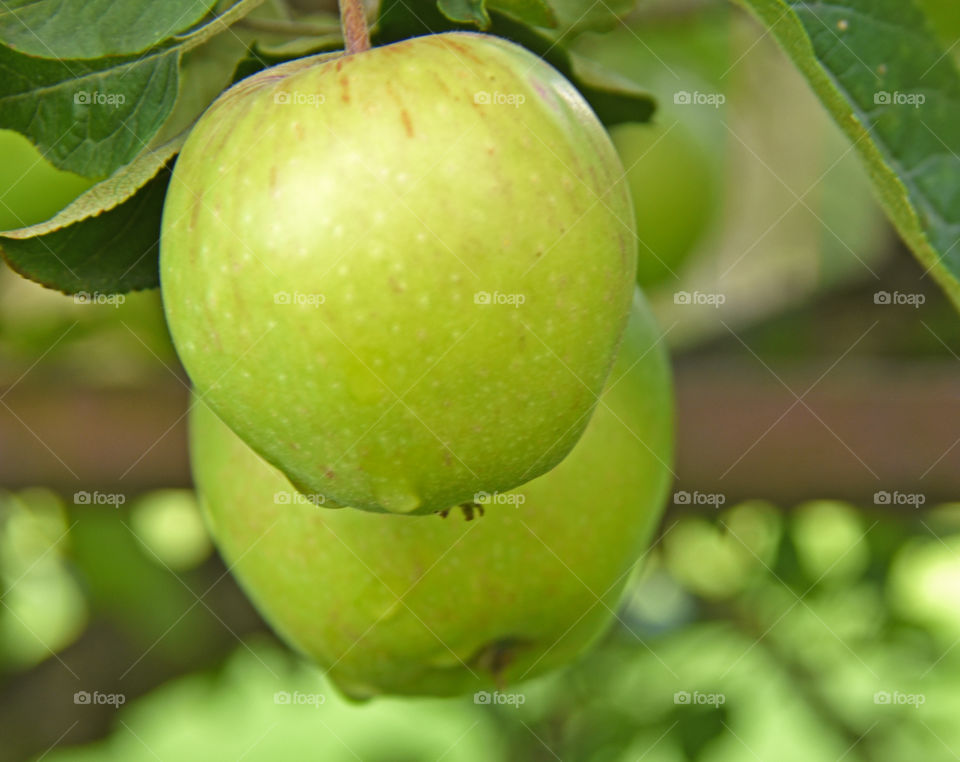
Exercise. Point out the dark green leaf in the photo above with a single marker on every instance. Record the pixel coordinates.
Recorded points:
(88, 117)
(92, 117)
(895, 91)
(107, 194)
(579, 15)
(532, 12)
(205, 72)
(615, 98)
(465, 11)
(94, 28)
(113, 252)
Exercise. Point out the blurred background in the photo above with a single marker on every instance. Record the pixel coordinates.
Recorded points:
(802, 600)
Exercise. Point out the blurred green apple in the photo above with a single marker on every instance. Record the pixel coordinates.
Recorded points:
(31, 189)
(401, 276)
(430, 605)
(674, 188)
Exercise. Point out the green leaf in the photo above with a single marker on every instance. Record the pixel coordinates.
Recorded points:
(204, 73)
(94, 28)
(88, 117)
(105, 195)
(113, 252)
(615, 98)
(532, 12)
(465, 11)
(93, 116)
(895, 91)
(580, 15)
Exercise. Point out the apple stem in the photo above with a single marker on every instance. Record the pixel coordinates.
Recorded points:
(353, 20)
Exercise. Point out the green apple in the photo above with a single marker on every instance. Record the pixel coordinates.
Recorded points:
(401, 276)
(430, 605)
(674, 190)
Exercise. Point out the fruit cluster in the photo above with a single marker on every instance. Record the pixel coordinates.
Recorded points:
(399, 281)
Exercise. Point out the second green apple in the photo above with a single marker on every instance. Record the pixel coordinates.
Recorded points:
(425, 605)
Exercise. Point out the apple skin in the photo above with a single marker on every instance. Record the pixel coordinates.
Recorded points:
(398, 202)
(674, 186)
(441, 606)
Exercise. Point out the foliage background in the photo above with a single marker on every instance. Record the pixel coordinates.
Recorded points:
(805, 614)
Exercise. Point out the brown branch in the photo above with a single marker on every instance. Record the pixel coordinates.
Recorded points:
(353, 20)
